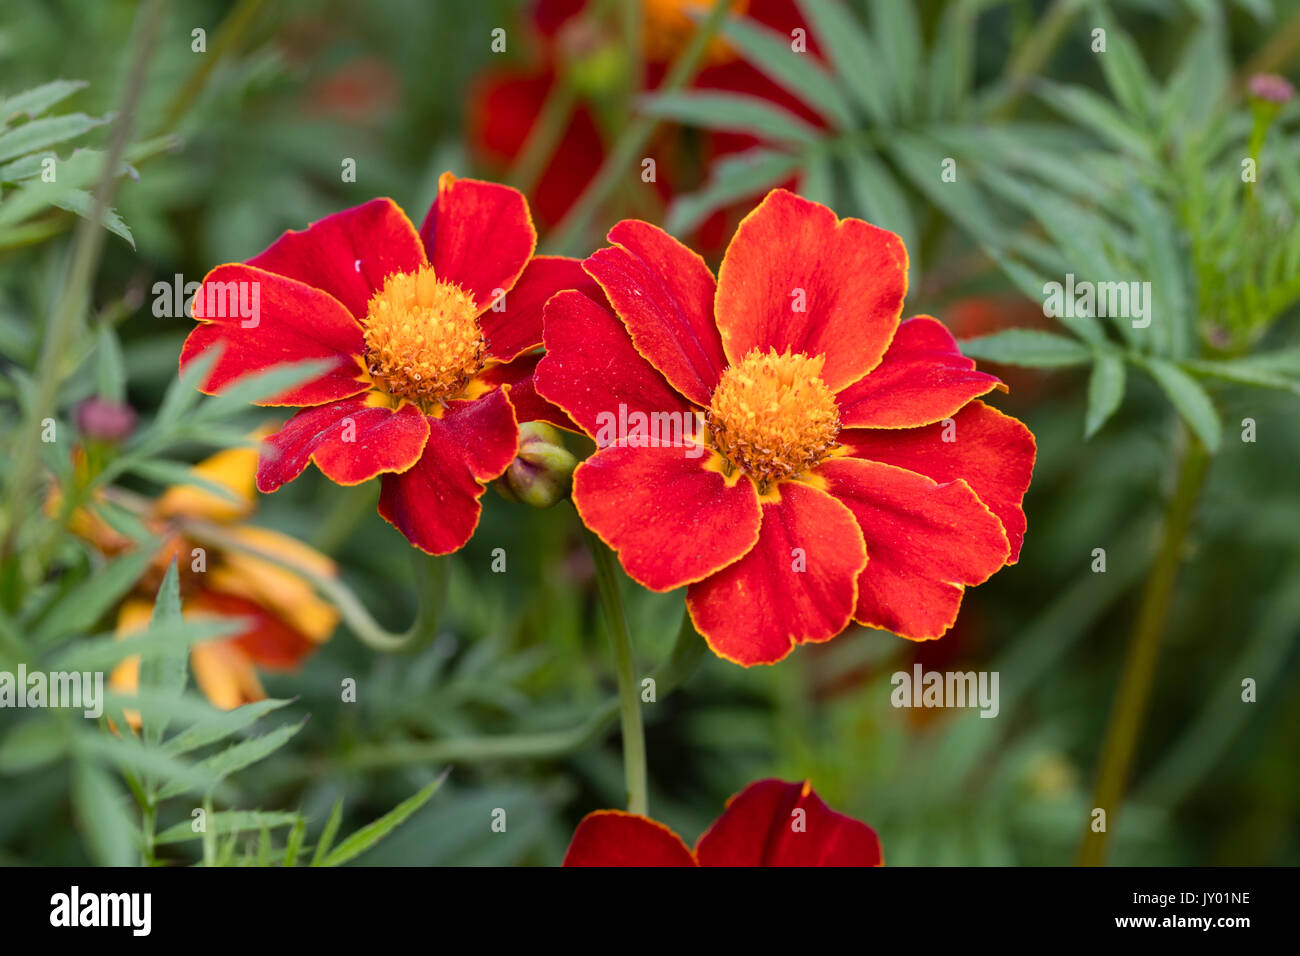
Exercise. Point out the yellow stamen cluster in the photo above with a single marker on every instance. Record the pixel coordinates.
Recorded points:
(772, 416)
(423, 342)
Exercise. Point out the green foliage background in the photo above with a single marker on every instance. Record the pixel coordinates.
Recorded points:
(1123, 165)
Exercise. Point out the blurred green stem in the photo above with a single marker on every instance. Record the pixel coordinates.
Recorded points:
(1134, 692)
(629, 698)
(74, 298)
(635, 137)
(227, 39)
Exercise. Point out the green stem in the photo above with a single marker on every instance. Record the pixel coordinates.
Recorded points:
(68, 313)
(635, 137)
(549, 129)
(629, 698)
(668, 676)
(1134, 692)
(430, 584)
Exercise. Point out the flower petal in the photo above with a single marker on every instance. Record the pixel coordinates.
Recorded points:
(925, 542)
(672, 519)
(435, 502)
(518, 326)
(798, 583)
(349, 441)
(923, 378)
(994, 454)
(591, 367)
(663, 292)
(797, 278)
(529, 406)
(762, 826)
(348, 254)
(293, 322)
(269, 642)
(486, 432)
(478, 235)
(616, 838)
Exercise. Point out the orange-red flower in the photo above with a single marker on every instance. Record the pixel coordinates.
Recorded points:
(426, 337)
(843, 468)
(769, 823)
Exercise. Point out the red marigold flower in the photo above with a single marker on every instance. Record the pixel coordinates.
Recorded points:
(426, 335)
(844, 468)
(769, 823)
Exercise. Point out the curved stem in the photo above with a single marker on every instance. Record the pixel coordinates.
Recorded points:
(1134, 692)
(430, 585)
(629, 701)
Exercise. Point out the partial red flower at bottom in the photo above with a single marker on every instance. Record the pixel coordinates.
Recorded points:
(769, 823)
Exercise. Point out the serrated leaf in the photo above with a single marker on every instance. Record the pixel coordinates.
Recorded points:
(129, 751)
(226, 822)
(226, 724)
(1191, 401)
(1257, 370)
(164, 672)
(38, 99)
(78, 611)
(730, 112)
(772, 54)
(1029, 347)
(1105, 392)
(41, 133)
(369, 835)
(105, 826)
(240, 755)
(858, 64)
(83, 204)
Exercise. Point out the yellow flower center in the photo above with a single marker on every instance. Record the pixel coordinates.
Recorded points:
(669, 24)
(423, 342)
(772, 416)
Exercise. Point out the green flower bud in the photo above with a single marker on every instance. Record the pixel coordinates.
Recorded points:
(542, 472)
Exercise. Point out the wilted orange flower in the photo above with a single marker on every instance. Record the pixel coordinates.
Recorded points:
(287, 620)
(841, 467)
(769, 823)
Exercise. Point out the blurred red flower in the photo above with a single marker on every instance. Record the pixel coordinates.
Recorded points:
(506, 103)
